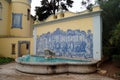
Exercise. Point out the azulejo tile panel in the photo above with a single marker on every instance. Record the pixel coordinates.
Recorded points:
(70, 43)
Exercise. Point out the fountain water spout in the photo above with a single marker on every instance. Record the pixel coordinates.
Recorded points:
(48, 54)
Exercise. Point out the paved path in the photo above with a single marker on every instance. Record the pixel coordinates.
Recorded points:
(8, 72)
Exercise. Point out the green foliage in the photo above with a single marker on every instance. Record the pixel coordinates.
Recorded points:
(5, 60)
(115, 41)
(115, 36)
(110, 18)
(51, 7)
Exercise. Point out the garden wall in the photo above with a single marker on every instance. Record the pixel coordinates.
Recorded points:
(76, 36)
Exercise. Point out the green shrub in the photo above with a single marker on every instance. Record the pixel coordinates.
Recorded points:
(5, 60)
(115, 39)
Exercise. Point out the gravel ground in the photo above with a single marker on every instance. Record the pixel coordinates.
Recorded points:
(8, 72)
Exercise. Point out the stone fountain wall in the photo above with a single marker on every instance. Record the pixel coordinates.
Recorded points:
(78, 36)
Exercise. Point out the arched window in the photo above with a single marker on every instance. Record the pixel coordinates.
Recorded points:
(0, 10)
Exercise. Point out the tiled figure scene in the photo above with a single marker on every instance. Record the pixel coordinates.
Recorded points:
(70, 43)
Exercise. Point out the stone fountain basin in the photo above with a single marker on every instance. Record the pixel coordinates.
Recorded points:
(56, 67)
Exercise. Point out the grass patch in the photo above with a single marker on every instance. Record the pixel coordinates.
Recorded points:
(5, 60)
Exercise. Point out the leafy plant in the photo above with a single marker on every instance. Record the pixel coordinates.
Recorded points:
(115, 36)
(115, 39)
(110, 18)
(5, 60)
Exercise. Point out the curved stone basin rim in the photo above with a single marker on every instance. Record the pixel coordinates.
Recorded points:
(56, 67)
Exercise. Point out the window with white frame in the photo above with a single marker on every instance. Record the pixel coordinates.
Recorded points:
(16, 20)
(0, 10)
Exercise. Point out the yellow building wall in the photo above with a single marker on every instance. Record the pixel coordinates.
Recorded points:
(21, 6)
(23, 1)
(6, 46)
(4, 23)
(31, 26)
(96, 8)
(70, 24)
(9, 35)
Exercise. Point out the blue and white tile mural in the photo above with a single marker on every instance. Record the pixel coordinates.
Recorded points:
(70, 43)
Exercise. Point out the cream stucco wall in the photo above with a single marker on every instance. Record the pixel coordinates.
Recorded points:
(68, 24)
(21, 7)
(6, 46)
(9, 35)
(21, 1)
(4, 22)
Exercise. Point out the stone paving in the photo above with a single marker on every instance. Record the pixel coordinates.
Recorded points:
(8, 72)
